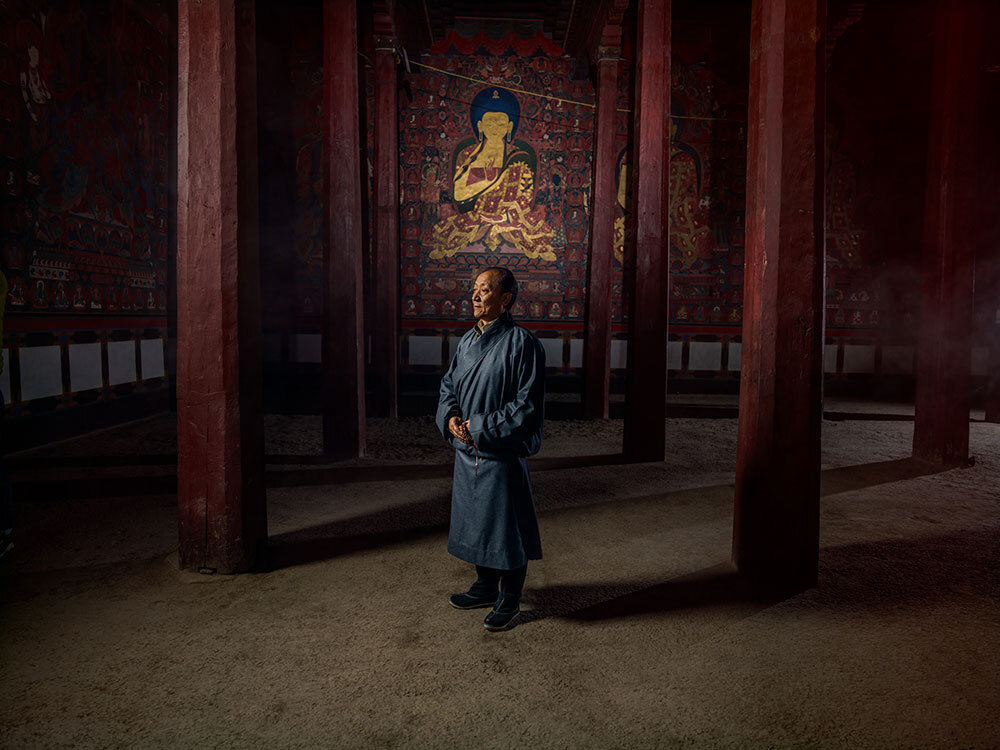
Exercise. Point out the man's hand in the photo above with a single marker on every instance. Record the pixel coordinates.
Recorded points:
(460, 430)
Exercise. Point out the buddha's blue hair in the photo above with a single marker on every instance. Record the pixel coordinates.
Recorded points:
(495, 99)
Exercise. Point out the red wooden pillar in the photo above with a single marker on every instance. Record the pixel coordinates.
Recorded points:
(385, 281)
(943, 380)
(776, 525)
(647, 260)
(223, 523)
(343, 321)
(597, 336)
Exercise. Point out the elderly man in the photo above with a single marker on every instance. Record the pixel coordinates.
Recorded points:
(490, 410)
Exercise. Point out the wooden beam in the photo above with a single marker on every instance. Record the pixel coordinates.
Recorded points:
(408, 21)
(221, 500)
(343, 321)
(943, 379)
(597, 333)
(776, 524)
(385, 282)
(647, 257)
(595, 24)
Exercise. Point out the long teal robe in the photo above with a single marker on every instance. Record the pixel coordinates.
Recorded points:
(496, 381)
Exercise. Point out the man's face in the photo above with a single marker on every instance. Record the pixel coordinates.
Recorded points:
(487, 299)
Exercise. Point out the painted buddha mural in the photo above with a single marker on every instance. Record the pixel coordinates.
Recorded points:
(623, 198)
(691, 236)
(494, 187)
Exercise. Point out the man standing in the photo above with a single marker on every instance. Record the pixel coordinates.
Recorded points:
(491, 411)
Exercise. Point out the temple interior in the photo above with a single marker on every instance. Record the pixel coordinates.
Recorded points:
(757, 241)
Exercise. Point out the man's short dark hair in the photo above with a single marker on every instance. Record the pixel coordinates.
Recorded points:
(506, 281)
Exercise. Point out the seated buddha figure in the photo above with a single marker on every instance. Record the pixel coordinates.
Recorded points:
(623, 199)
(691, 236)
(494, 186)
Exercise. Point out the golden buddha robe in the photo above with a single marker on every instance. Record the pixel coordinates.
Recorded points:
(503, 210)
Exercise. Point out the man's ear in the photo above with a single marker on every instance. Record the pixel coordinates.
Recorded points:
(507, 299)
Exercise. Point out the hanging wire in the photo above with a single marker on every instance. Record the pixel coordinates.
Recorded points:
(482, 82)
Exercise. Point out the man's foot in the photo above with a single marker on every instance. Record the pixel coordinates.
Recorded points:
(496, 621)
(467, 601)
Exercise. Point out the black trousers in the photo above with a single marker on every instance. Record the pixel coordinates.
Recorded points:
(510, 583)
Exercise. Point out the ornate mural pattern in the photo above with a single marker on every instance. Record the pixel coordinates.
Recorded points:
(491, 174)
(83, 157)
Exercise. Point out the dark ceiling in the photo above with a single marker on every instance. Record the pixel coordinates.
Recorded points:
(555, 15)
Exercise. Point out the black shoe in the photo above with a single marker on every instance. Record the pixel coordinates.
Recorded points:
(496, 621)
(466, 601)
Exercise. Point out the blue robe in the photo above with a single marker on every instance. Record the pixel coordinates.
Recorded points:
(497, 382)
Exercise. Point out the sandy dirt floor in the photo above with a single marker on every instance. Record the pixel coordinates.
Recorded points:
(635, 630)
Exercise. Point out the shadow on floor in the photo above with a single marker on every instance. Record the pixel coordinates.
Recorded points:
(834, 481)
(414, 472)
(716, 586)
(859, 416)
(402, 523)
(55, 490)
(394, 525)
(889, 573)
(860, 476)
(418, 520)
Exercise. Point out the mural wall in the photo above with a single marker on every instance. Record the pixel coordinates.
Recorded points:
(492, 173)
(496, 148)
(707, 183)
(83, 225)
(495, 136)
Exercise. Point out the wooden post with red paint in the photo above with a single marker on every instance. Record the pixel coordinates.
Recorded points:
(223, 521)
(343, 316)
(776, 524)
(385, 282)
(647, 258)
(597, 336)
(943, 378)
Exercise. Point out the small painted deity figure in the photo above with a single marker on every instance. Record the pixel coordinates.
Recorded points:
(494, 186)
(691, 237)
(33, 89)
(623, 198)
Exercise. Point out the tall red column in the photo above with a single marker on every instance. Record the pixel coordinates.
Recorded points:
(223, 522)
(647, 261)
(943, 380)
(343, 322)
(776, 525)
(597, 335)
(385, 281)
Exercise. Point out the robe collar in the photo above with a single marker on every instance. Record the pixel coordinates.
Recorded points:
(494, 328)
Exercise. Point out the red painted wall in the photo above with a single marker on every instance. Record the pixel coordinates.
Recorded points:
(84, 128)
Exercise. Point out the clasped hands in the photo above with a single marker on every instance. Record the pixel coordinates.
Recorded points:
(460, 430)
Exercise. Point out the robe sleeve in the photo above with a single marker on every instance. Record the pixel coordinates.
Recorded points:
(448, 402)
(516, 426)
